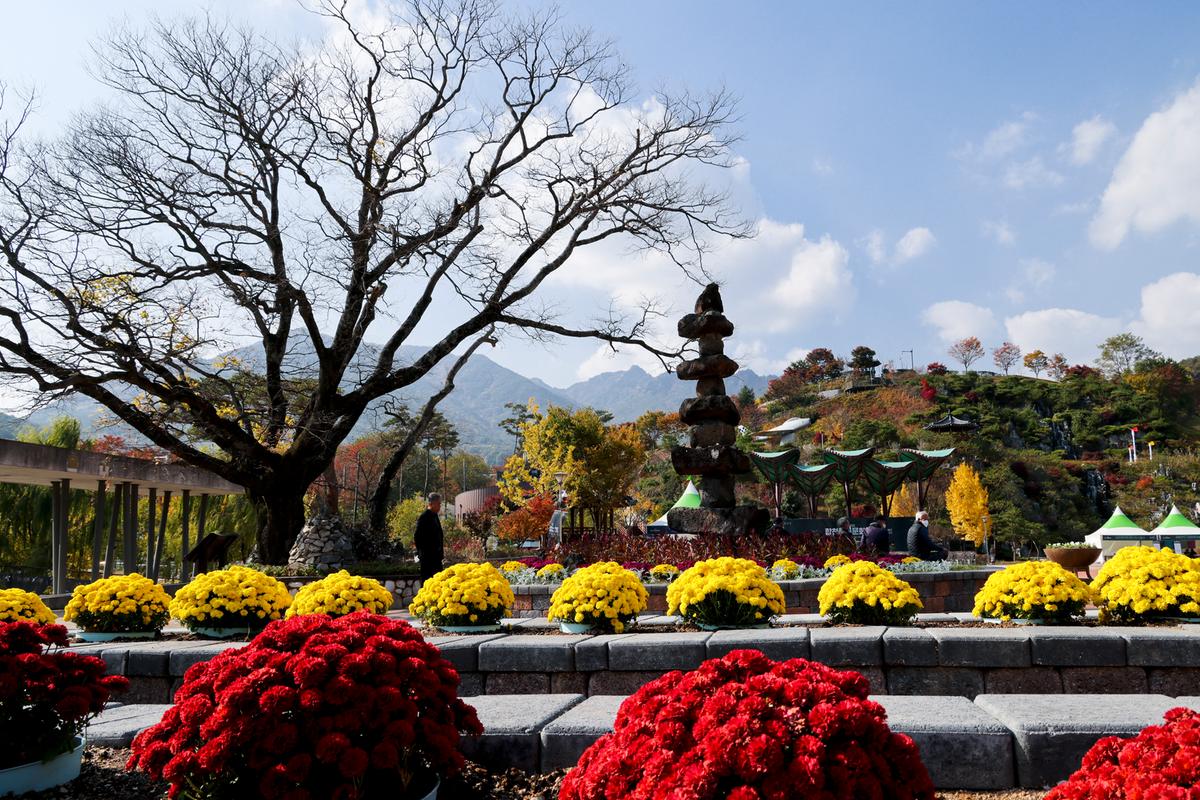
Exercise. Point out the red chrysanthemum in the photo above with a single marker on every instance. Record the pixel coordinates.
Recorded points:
(313, 707)
(1161, 762)
(750, 728)
(47, 694)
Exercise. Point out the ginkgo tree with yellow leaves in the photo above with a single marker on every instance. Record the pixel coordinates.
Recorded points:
(967, 504)
(576, 451)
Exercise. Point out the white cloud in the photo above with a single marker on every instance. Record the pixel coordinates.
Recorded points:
(1167, 321)
(1087, 138)
(754, 355)
(958, 319)
(1069, 331)
(822, 166)
(1007, 138)
(875, 246)
(1035, 273)
(914, 244)
(1157, 181)
(818, 279)
(1031, 173)
(999, 231)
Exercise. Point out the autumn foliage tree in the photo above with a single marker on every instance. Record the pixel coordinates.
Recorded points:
(1006, 356)
(293, 201)
(966, 351)
(530, 522)
(1058, 366)
(1036, 362)
(967, 504)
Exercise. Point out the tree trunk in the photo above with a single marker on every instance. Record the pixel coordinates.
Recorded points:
(280, 517)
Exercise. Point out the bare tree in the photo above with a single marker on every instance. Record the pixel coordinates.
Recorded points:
(285, 205)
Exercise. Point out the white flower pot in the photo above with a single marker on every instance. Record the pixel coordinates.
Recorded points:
(98, 636)
(575, 627)
(43, 774)
(1014, 621)
(468, 628)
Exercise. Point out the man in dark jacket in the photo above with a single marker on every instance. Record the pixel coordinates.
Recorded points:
(920, 544)
(428, 538)
(878, 539)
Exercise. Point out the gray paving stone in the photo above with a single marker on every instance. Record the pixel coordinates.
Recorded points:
(1072, 647)
(116, 726)
(462, 651)
(963, 682)
(850, 647)
(962, 746)
(800, 619)
(529, 653)
(909, 647)
(982, 647)
(154, 658)
(512, 727)
(1052, 733)
(181, 660)
(779, 644)
(565, 739)
(1162, 647)
(592, 655)
(657, 651)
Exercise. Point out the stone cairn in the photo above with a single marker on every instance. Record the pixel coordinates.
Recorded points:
(712, 417)
(324, 543)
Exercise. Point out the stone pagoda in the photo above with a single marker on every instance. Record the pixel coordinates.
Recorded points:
(712, 417)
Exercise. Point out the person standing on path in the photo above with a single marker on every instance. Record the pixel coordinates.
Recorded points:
(428, 538)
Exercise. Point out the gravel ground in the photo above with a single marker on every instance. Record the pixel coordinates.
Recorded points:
(104, 778)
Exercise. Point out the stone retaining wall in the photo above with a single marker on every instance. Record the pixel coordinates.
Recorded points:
(962, 662)
(941, 592)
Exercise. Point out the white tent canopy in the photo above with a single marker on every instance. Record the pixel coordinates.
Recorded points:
(689, 499)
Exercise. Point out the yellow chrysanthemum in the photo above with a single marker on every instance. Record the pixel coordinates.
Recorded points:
(1143, 582)
(836, 561)
(18, 604)
(1032, 590)
(603, 595)
(863, 593)
(119, 604)
(341, 593)
(464, 594)
(231, 598)
(726, 592)
(663, 573)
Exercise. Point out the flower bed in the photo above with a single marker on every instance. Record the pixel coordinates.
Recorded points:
(349, 707)
(746, 727)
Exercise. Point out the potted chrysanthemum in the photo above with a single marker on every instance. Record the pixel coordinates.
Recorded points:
(1032, 592)
(225, 603)
(464, 598)
(341, 593)
(600, 597)
(17, 605)
(119, 607)
(725, 593)
(864, 593)
(1144, 583)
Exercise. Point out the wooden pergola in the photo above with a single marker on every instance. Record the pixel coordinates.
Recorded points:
(117, 482)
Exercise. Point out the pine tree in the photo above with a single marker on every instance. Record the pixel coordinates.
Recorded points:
(967, 503)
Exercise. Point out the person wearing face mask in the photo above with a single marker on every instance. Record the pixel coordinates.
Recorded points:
(920, 544)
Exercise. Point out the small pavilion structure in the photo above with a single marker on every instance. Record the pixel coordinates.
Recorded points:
(925, 465)
(952, 424)
(117, 482)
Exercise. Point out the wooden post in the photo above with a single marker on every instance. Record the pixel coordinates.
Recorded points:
(98, 528)
(110, 551)
(150, 533)
(162, 534)
(203, 518)
(184, 569)
(57, 584)
(130, 531)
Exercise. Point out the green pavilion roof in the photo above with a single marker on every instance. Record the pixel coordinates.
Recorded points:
(811, 479)
(847, 464)
(885, 477)
(926, 461)
(774, 466)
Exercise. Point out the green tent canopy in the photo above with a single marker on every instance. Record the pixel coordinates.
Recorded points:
(774, 467)
(690, 497)
(1119, 519)
(847, 467)
(1174, 522)
(926, 463)
(884, 478)
(811, 480)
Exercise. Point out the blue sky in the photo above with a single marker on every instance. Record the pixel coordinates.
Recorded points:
(919, 171)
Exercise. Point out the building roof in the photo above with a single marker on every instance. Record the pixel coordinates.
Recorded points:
(40, 465)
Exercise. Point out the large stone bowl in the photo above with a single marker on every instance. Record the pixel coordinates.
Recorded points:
(1073, 559)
